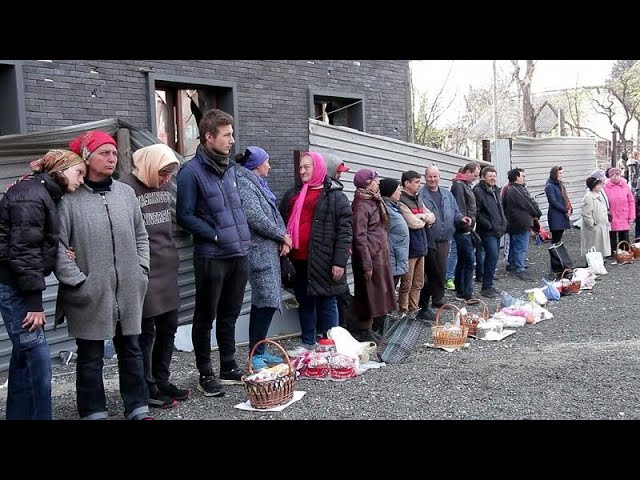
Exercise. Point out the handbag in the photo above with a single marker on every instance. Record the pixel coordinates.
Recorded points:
(560, 259)
(595, 261)
(287, 272)
(400, 338)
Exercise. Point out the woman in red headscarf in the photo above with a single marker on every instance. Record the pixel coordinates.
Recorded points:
(29, 235)
(101, 293)
(318, 218)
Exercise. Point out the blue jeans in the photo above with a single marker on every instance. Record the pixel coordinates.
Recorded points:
(259, 322)
(518, 250)
(326, 308)
(90, 387)
(491, 245)
(464, 266)
(452, 259)
(29, 393)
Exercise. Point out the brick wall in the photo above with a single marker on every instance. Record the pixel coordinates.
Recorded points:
(272, 96)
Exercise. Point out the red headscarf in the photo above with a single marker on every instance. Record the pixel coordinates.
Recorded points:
(86, 143)
(317, 179)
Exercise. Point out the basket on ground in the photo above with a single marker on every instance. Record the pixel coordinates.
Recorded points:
(270, 393)
(448, 336)
(569, 286)
(635, 247)
(471, 319)
(624, 255)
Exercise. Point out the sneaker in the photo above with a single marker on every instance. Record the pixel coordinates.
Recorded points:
(426, 314)
(209, 385)
(300, 350)
(142, 416)
(179, 394)
(232, 377)
(158, 399)
(450, 285)
(257, 362)
(489, 292)
(267, 357)
(524, 276)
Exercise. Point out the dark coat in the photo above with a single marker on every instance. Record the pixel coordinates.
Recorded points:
(330, 242)
(557, 213)
(490, 217)
(519, 208)
(375, 297)
(29, 233)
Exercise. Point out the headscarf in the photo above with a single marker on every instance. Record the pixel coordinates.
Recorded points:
(55, 161)
(317, 179)
(87, 143)
(255, 156)
(148, 161)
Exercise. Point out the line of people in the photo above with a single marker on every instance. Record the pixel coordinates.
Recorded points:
(110, 244)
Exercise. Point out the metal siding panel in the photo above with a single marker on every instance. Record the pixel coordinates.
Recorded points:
(577, 156)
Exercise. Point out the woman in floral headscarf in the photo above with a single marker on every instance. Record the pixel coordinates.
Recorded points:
(29, 236)
(318, 218)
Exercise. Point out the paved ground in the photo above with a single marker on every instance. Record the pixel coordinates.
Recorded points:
(583, 364)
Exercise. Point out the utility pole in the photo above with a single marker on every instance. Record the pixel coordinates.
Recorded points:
(614, 141)
(495, 103)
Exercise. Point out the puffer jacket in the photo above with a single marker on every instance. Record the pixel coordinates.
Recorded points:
(29, 235)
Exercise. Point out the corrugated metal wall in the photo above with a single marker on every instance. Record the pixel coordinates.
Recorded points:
(389, 157)
(576, 155)
(501, 158)
(15, 153)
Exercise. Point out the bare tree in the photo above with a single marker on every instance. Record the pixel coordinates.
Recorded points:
(429, 111)
(528, 112)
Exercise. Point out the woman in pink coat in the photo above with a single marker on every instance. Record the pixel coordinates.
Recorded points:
(622, 207)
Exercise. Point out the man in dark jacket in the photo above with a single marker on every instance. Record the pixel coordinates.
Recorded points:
(491, 224)
(520, 210)
(461, 190)
(208, 205)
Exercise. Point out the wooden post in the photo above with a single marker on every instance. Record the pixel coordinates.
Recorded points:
(125, 164)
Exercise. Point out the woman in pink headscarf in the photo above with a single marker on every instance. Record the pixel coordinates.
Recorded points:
(318, 218)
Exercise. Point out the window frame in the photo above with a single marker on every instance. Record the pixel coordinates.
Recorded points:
(16, 98)
(162, 82)
(315, 93)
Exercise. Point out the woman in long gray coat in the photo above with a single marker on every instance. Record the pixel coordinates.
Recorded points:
(101, 293)
(595, 223)
(269, 240)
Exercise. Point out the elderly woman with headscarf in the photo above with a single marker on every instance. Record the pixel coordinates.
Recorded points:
(29, 242)
(269, 240)
(318, 217)
(101, 293)
(594, 231)
(560, 209)
(153, 167)
(374, 290)
(622, 207)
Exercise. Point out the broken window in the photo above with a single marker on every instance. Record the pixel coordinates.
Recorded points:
(343, 110)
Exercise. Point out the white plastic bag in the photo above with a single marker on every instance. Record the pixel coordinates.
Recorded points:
(595, 261)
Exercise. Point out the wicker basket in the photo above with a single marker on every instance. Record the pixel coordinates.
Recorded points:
(445, 338)
(624, 255)
(568, 286)
(272, 393)
(635, 250)
(472, 320)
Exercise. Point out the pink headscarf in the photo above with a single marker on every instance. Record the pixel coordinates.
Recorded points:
(317, 179)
